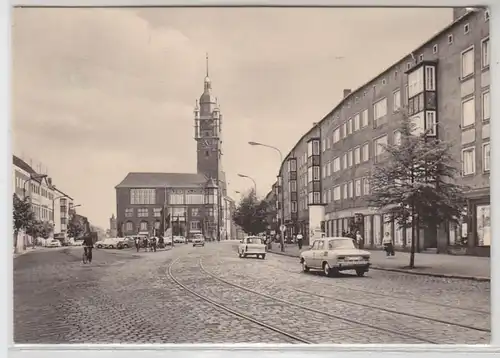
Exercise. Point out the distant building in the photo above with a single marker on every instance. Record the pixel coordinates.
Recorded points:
(113, 232)
(190, 202)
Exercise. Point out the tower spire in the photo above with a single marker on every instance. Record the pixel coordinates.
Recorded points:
(206, 58)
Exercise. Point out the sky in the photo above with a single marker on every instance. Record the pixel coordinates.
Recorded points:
(98, 93)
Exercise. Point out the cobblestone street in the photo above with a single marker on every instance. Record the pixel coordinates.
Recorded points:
(209, 295)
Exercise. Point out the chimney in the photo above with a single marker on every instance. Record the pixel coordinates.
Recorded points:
(49, 180)
(347, 92)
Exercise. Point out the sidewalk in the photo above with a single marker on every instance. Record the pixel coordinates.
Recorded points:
(450, 266)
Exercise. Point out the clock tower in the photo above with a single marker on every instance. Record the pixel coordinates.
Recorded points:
(208, 130)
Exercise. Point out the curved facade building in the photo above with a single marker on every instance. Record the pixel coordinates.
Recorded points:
(444, 84)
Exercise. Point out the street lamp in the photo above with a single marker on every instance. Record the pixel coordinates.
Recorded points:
(282, 197)
(252, 179)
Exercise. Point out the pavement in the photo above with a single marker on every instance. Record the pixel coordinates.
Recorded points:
(437, 265)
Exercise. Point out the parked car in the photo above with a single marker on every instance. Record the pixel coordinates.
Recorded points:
(179, 240)
(111, 243)
(78, 243)
(198, 240)
(98, 244)
(334, 254)
(167, 240)
(54, 243)
(252, 245)
(125, 243)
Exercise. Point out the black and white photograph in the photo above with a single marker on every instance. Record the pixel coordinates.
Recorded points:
(238, 175)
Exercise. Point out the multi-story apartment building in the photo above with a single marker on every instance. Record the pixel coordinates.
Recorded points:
(444, 86)
(63, 207)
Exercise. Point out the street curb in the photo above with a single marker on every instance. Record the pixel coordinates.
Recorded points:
(431, 274)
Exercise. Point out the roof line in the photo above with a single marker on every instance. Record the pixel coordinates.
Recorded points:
(343, 100)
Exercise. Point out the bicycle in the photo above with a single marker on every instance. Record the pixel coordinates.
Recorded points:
(86, 256)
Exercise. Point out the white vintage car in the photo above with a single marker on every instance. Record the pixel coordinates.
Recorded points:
(198, 240)
(334, 254)
(252, 245)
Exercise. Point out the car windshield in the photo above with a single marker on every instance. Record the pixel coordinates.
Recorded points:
(254, 240)
(341, 244)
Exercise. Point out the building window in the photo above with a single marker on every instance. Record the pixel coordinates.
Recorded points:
(345, 191)
(336, 164)
(323, 145)
(468, 62)
(430, 123)
(357, 155)
(195, 225)
(379, 144)
(336, 135)
(349, 158)
(316, 197)
(142, 196)
(157, 212)
(430, 78)
(328, 143)
(364, 118)
(176, 197)
(129, 226)
(195, 211)
(142, 212)
(450, 39)
(350, 189)
(408, 65)
(336, 193)
(397, 137)
(293, 185)
(379, 109)
(129, 212)
(468, 161)
(366, 152)
(357, 187)
(485, 53)
(344, 161)
(486, 157)
(416, 82)
(357, 124)
(349, 126)
(485, 110)
(407, 94)
(315, 147)
(329, 169)
(468, 113)
(420, 58)
(435, 49)
(486, 15)
(366, 186)
(143, 226)
(396, 74)
(316, 173)
(466, 29)
(344, 130)
(396, 100)
(194, 198)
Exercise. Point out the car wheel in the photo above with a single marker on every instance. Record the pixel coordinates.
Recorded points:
(99, 246)
(304, 266)
(327, 269)
(360, 272)
(125, 246)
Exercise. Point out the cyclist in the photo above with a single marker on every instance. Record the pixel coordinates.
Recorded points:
(88, 244)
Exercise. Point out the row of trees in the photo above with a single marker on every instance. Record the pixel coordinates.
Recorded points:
(414, 182)
(24, 219)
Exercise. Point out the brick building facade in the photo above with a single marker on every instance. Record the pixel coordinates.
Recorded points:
(445, 85)
(193, 202)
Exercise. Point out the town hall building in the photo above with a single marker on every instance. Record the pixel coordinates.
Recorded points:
(189, 202)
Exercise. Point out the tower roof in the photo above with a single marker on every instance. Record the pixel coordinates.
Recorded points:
(207, 97)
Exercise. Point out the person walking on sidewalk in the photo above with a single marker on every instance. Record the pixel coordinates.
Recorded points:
(300, 239)
(359, 240)
(137, 243)
(388, 245)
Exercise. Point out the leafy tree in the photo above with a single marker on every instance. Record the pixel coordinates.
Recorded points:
(75, 227)
(23, 216)
(251, 214)
(416, 182)
(45, 229)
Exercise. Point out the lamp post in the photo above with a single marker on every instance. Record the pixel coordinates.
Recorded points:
(282, 197)
(252, 179)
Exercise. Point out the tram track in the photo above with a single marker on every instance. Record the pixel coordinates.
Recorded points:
(310, 309)
(231, 311)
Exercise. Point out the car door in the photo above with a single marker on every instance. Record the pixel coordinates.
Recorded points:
(318, 253)
(309, 255)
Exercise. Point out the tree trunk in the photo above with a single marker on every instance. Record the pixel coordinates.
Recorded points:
(413, 239)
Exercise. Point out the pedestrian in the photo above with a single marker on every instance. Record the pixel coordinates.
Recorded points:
(153, 243)
(161, 242)
(300, 239)
(359, 240)
(137, 243)
(388, 245)
(145, 243)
